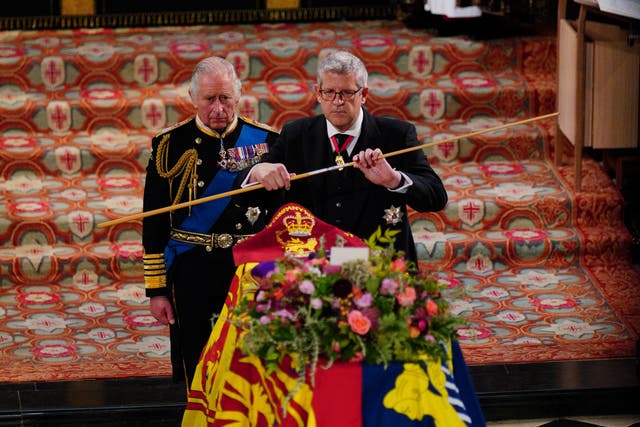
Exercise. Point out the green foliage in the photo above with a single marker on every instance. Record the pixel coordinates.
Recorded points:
(376, 310)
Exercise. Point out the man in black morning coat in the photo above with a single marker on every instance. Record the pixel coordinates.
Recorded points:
(376, 191)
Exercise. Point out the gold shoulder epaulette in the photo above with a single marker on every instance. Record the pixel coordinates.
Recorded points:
(172, 127)
(259, 124)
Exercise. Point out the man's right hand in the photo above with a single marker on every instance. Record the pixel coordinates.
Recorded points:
(161, 309)
(272, 176)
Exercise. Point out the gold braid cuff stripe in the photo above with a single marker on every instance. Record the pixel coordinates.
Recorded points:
(154, 271)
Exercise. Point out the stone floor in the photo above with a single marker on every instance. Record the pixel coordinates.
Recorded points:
(611, 421)
(586, 393)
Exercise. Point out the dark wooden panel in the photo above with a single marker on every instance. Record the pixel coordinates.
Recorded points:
(105, 7)
(32, 8)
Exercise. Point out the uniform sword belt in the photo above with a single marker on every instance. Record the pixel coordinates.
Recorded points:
(209, 241)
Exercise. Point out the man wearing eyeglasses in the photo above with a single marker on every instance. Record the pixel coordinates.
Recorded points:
(375, 192)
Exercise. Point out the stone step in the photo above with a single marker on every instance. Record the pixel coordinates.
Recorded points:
(39, 259)
(36, 255)
(143, 57)
(491, 197)
(43, 155)
(450, 142)
(65, 212)
(515, 195)
(491, 251)
(106, 149)
(150, 109)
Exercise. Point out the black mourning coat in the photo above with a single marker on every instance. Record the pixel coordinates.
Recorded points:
(346, 198)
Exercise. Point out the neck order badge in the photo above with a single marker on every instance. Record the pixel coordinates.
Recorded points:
(340, 143)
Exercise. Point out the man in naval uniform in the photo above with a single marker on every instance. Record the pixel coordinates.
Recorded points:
(375, 192)
(188, 262)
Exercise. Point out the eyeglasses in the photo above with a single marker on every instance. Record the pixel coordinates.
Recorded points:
(345, 95)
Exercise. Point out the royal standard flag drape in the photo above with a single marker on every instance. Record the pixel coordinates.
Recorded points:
(231, 388)
(234, 389)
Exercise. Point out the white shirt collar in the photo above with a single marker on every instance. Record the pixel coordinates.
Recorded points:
(354, 130)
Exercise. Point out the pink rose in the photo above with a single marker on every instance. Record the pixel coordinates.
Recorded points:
(407, 297)
(358, 322)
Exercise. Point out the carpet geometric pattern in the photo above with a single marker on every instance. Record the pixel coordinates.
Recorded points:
(547, 271)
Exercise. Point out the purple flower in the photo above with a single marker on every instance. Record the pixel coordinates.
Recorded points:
(316, 303)
(365, 300)
(284, 314)
(307, 287)
(265, 320)
(263, 308)
(388, 287)
(261, 296)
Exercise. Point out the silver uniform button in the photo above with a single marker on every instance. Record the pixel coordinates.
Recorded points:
(198, 140)
(200, 184)
(199, 162)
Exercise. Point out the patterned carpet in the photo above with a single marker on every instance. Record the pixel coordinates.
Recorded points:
(547, 270)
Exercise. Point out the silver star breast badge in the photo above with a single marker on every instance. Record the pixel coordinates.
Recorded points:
(392, 215)
(252, 214)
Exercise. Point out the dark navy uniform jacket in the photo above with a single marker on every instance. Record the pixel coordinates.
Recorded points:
(196, 278)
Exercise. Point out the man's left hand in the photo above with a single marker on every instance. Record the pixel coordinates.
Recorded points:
(376, 168)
